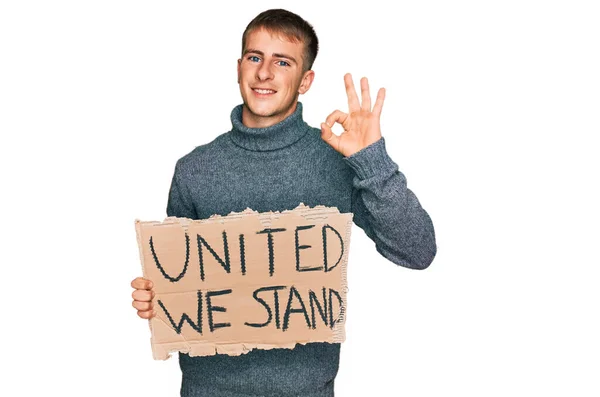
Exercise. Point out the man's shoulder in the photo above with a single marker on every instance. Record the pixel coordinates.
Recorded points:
(202, 153)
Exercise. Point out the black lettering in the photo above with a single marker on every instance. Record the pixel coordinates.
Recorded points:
(289, 310)
(322, 309)
(225, 263)
(242, 255)
(270, 244)
(341, 304)
(301, 247)
(185, 317)
(162, 271)
(267, 307)
(210, 309)
(324, 232)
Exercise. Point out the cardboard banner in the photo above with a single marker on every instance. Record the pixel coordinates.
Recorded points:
(229, 284)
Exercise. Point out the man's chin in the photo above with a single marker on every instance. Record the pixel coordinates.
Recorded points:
(261, 111)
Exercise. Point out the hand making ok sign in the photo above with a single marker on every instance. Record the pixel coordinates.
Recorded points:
(361, 124)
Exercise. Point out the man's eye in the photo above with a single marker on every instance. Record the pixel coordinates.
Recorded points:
(283, 63)
(254, 58)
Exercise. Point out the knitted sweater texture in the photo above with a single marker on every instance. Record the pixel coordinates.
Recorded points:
(275, 169)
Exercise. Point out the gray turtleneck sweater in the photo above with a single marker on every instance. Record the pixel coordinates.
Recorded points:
(275, 169)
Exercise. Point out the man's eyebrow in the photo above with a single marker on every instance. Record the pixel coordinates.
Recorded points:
(291, 58)
(275, 54)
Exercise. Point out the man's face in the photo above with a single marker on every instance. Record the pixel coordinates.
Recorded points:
(271, 78)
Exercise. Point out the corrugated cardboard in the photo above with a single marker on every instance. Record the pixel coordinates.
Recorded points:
(229, 284)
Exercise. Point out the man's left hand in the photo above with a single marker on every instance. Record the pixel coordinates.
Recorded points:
(361, 125)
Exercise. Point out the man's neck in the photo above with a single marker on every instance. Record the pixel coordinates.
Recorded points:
(276, 136)
(251, 120)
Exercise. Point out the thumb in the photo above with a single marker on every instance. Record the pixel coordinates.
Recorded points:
(328, 136)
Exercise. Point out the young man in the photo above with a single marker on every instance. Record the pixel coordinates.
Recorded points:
(272, 160)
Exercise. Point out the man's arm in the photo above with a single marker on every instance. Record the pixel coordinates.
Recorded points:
(388, 212)
(383, 206)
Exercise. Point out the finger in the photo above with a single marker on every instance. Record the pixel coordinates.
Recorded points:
(328, 136)
(142, 306)
(141, 283)
(142, 295)
(353, 104)
(379, 102)
(146, 314)
(336, 117)
(365, 94)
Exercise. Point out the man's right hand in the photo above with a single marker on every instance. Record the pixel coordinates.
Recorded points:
(142, 297)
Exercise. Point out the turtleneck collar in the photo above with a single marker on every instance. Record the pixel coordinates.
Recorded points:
(277, 136)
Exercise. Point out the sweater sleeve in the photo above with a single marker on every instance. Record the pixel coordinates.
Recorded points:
(180, 202)
(388, 212)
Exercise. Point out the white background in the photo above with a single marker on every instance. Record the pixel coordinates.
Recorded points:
(490, 113)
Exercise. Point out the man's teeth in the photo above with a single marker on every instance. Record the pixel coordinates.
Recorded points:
(264, 91)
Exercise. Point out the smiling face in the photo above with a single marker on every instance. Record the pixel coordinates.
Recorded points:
(271, 76)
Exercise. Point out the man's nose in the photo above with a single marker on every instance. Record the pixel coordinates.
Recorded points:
(264, 71)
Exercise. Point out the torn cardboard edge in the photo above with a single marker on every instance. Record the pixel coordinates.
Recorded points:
(266, 218)
(319, 213)
(164, 351)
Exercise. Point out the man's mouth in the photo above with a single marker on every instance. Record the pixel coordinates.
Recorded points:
(263, 91)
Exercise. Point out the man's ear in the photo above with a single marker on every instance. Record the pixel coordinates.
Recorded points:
(307, 80)
(239, 65)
